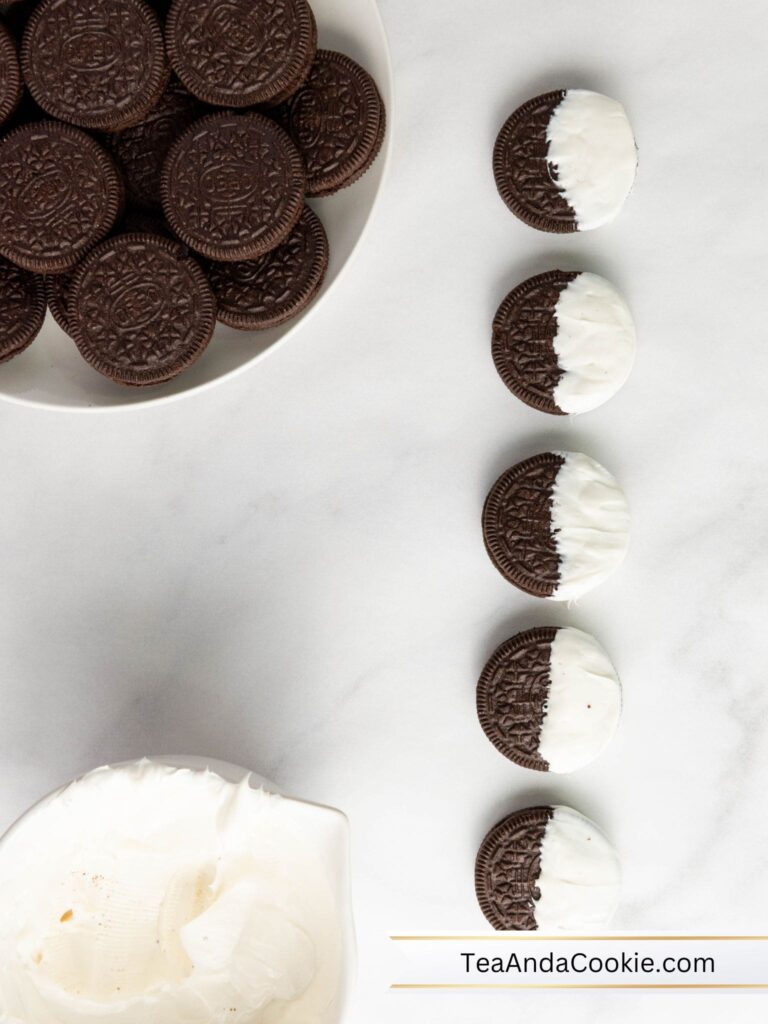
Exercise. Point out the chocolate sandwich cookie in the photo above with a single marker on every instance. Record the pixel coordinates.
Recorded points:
(547, 869)
(338, 121)
(565, 161)
(240, 53)
(255, 294)
(233, 186)
(564, 342)
(58, 287)
(96, 63)
(549, 699)
(22, 309)
(58, 290)
(60, 193)
(556, 525)
(140, 150)
(10, 76)
(140, 309)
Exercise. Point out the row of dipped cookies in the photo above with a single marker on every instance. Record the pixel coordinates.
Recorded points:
(557, 524)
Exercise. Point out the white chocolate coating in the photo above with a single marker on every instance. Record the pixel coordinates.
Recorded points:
(592, 153)
(583, 703)
(590, 523)
(595, 343)
(580, 875)
(144, 893)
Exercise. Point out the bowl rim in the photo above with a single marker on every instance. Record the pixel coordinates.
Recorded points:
(153, 402)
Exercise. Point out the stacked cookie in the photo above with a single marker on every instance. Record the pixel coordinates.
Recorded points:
(149, 212)
(557, 524)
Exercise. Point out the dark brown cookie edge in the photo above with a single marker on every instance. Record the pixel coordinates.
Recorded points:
(284, 96)
(11, 98)
(539, 817)
(243, 322)
(115, 207)
(276, 235)
(134, 111)
(55, 301)
(510, 196)
(488, 719)
(515, 384)
(370, 160)
(183, 362)
(284, 86)
(37, 319)
(510, 570)
(372, 134)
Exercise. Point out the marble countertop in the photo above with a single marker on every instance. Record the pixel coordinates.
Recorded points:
(288, 572)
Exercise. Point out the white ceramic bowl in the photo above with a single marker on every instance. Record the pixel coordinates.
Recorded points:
(328, 827)
(52, 374)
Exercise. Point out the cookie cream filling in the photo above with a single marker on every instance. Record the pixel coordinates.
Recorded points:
(583, 702)
(592, 153)
(146, 894)
(590, 525)
(580, 875)
(594, 343)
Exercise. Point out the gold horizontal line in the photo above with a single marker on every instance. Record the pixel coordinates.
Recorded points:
(524, 937)
(627, 986)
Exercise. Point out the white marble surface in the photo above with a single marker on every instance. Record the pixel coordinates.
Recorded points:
(288, 572)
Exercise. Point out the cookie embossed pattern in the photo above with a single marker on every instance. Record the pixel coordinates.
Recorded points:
(549, 699)
(241, 55)
(99, 64)
(338, 121)
(247, 207)
(254, 294)
(22, 309)
(233, 186)
(122, 288)
(60, 193)
(523, 176)
(524, 331)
